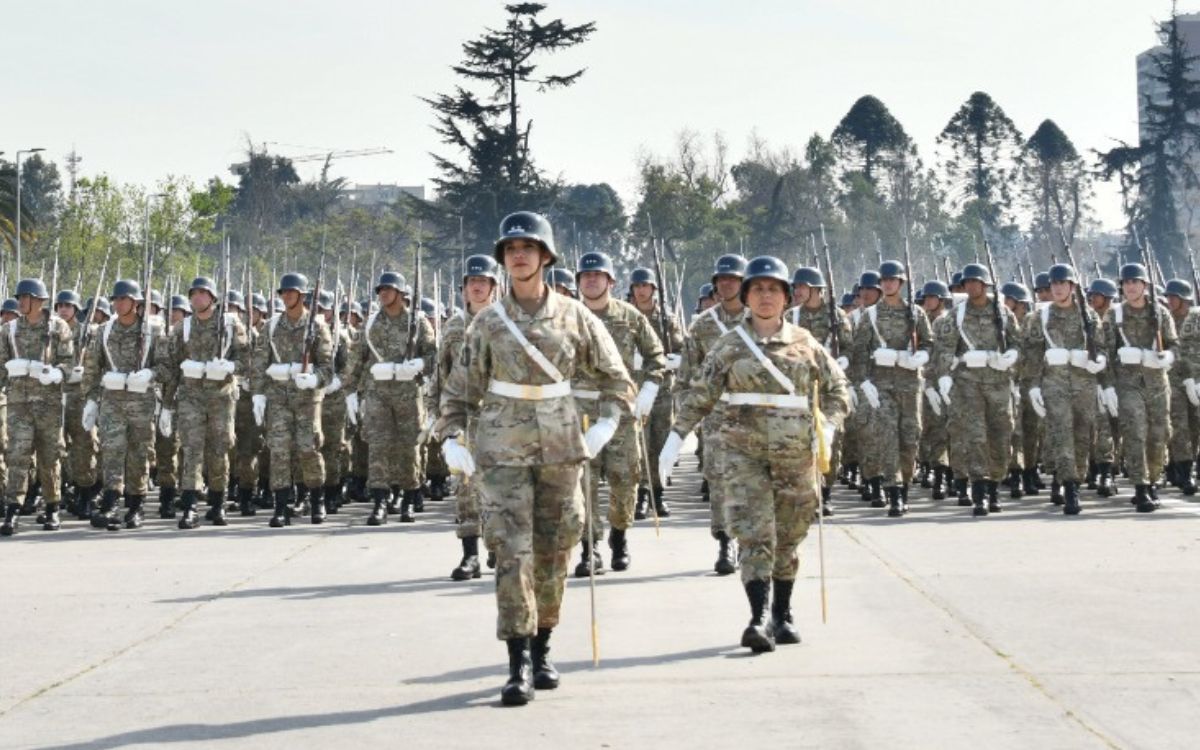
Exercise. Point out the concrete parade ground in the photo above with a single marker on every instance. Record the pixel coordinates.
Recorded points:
(1021, 630)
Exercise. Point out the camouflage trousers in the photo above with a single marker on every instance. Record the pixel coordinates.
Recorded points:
(891, 432)
(294, 439)
(1016, 442)
(714, 471)
(1145, 429)
(658, 427)
(359, 455)
(1185, 425)
(771, 503)
(1105, 443)
(984, 413)
(3, 441)
(34, 432)
(433, 463)
(166, 459)
(620, 461)
(204, 421)
(248, 443)
(125, 427)
(80, 466)
(1070, 420)
(468, 518)
(1033, 430)
(935, 438)
(391, 426)
(335, 449)
(534, 518)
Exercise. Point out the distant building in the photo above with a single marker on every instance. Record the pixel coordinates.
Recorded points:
(1147, 86)
(380, 195)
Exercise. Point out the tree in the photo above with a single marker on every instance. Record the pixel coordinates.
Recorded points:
(867, 134)
(589, 217)
(498, 173)
(263, 202)
(982, 148)
(1055, 185)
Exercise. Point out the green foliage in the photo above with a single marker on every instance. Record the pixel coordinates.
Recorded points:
(982, 157)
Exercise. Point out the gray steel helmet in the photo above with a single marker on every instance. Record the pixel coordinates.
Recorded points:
(294, 282)
(564, 278)
(179, 302)
(1041, 281)
(277, 305)
(1181, 289)
(526, 225)
(127, 288)
(956, 278)
(391, 280)
(706, 290)
(69, 297)
(869, 280)
(808, 275)
(352, 308)
(919, 297)
(429, 307)
(1103, 287)
(1063, 272)
(205, 283)
(156, 298)
(729, 265)
(976, 272)
(235, 299)
(935, 288)
(642, 276)
(10, 306)
(324, 300)
(1129, 272)
(102, 306)
(595, 261)
(258, 302)
(847, 300)
(33, 287)
(482, 266)
(1015, 291)
(892, 269)
(766, 267)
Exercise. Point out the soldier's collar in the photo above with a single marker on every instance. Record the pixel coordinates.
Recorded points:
(787, 334)
(549, 308)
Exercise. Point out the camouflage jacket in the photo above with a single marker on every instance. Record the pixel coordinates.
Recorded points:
(20, 340)
(201, 340)
(79, 332)
(519, 432)
(888, 330)
(1183, 367)
(675, 344)
(118, 348)
(1064, 329)
(640, 348)
(973, 327)
(1137, 329)
(731, 367)
(384, 339)
(1188, 362)
(283, 342)
(707, 327)
(816, 322)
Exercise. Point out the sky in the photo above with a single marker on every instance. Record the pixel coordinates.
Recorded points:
(145, 88)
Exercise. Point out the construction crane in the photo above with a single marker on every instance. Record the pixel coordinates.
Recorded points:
(328, 155)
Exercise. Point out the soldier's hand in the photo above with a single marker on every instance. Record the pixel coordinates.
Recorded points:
(645, 400)
(1003, 361)
(458, 458)
(1193, 393)
(409, 368)
(844, 363)
(1037, 402)
(935, 401)
(668, 455)
(1108, 397)
(674, 362)
(334, 386)
(1097, 366)
(90, 411)
(305, 381)
(50, 376)
(258, 404)
(599, 434)
(165, 425)
(945, 383)
(352, 408)
(76, 375)
(871, 393)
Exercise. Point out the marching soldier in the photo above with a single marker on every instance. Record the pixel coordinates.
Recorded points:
(621, 459)
(563, 282)
(166, 448)
(1101, 295)
(249, 442)
(293, 363)
(1017, 300)
(935, 436)
(706, 328)
(356, 461)
(769, 370)
(1185, 418)
(521, 358)
(81, 444)
(36, 350)
(335, 449)
(125, 360)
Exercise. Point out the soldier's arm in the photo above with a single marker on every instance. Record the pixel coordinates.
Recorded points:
(1103, 336)
(603, 365)
(237, 347)
(64, 345)
(654, 359)
(427, 347)
(860, 350)
(945, 345)
(463, 390)
(323, 356)
(835, 390)
(704, 393)
(93, 369)
(845, 334)
(262, 360)
(159, 362)
(924, 331)
(1169, 340)
(1034, 352)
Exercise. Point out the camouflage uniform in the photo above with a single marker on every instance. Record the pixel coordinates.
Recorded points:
(1185, 417)
(529, 452)
(467, 518)
(816, 321)
(336, 448)
(249, 445)
(658, 426)
(935, 437)
(80, 465)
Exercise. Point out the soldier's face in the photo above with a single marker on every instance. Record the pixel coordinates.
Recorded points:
(643, 294)
(801, 294)
(124, 306)
(27, 303)
(868, 297)
(1176, 304)
(1098, 301)
(1044, 295)
(766, 298)
(66, 312)
(931, 304)
(255, 317)
(594, 284)
(975, 289)
(176, 317)
(523, 258)
(201, 300)
(479, 290)
(7, 317)
(706, 302)
(1133, 289)
(729, 287)
(291, 298)
(891, 287)
(1061, 291)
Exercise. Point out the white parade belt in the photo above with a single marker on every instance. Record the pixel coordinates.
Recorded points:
(530, 392)
(778, 400)
(586, 395)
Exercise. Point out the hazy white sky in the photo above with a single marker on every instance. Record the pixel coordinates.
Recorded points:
(144, 88)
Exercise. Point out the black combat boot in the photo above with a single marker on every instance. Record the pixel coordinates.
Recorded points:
(333, 498)
(1093, 473)
(246, 502)
(726, 560)
(545, 676)
(437, 489)
(12, 515)
(519, 689)
(827, 501)
(1142, 499)
(216, 508)
(939, 482)
(581, 570)
(33, 497)
(960, 489)
(642, 507)
(355, 490)
(469, 567)
(265, 500)
(1152, 488)
(1015, 490)
(758, 636)
(877, 500)
(852, 477)
(1030, 479)
(51, 522)
(1056, 495)
(412, 498)
(781, 613)
(660, 505)
(135, 515)
(978, 495)
(300, 506)
(893, 499)
(283, 509)
(1187, 483)
(620, 549)
(1071, 498)
(491, 559)
(925, 475)
(166, 502)
(993, 493)
(87, 502)
(704, 491)
(316, 504)
(106, 515)
(189, 520)
(1106, 486)
(379, 513)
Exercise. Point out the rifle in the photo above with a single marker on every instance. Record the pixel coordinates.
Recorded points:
(50, 312)
(310, 334)
(996, 316)
(1192, 260)
(1144, 252)
(226, 273)
(834, 343)
(248, 293)
(879, 247)
(1096, 261)
(414, 301)
(663, 329)
(337, 318)
(908, 286)
(147, 332)
(1089, 332)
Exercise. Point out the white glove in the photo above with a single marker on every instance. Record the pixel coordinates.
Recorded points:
(50, 376)
(1108, 397)
(913, 360)
(279, 372)
(139, 380)
(1037, 402)
(409, 368)
(17, 368)
(426, 428)
(645, 400)
(1097, 365)
(829, 432)
(458, 458)
(871, 393)
(843, 363)
(218, 369)
(1193, 393)
(668, 455)
(1003, 361)
(853, 397)
(599, 434)
(76, 375)
(674, 362)
(1166, 359)
(258, 403)
(334, 386)
(945, 383)
(165, 422)
(383, 371)
(90, 411)
(1016, 392)
(352, 407)
(935, 401)
(305, 381)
